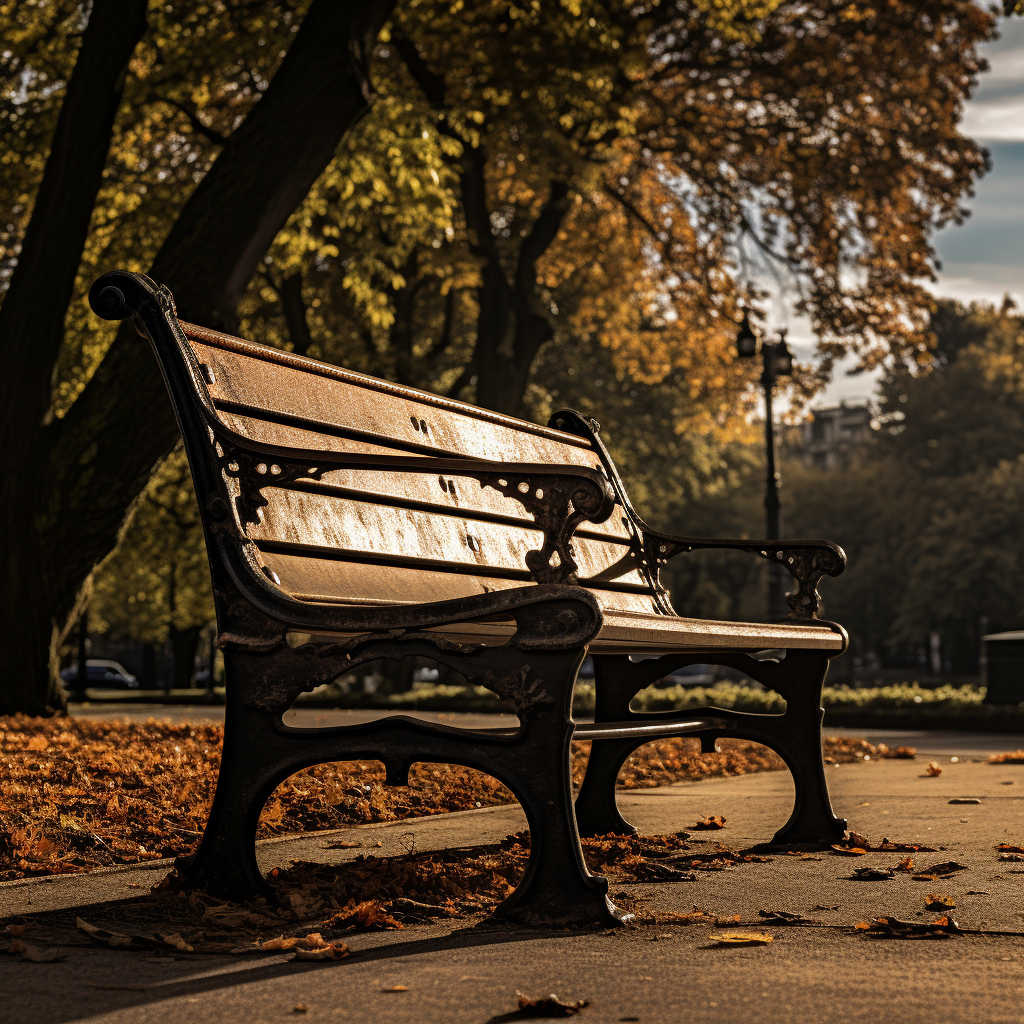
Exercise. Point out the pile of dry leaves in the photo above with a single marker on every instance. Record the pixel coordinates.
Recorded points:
(77, 794)
(315, 907)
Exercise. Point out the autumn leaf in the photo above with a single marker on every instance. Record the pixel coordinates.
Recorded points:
(743, 939)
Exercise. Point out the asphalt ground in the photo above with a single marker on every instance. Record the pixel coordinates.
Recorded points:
(470, 971)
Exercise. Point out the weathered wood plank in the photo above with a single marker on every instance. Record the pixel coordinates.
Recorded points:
(370, 528)
(337, 581)
(459, 493)
(368, 413)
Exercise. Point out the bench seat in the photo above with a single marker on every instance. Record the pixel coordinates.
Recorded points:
(640, 633)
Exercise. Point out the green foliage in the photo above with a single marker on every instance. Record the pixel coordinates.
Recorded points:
(157, 583)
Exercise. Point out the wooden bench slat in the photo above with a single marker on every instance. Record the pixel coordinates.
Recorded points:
(345, 405)
(206, 338)
(638, 632)
(337, 581)
(385, 486)
(348, 525)
(629, 632)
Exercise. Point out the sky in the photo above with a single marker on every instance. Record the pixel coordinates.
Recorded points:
(984, 257)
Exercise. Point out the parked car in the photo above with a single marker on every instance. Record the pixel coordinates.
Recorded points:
(103, 675)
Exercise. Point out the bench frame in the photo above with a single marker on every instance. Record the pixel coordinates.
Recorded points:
(275, 649)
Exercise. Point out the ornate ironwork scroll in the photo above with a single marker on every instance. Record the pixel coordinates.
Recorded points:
(558, 505)
(254, 472)
(806, 562)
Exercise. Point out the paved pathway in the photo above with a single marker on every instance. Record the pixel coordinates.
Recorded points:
(470, 972)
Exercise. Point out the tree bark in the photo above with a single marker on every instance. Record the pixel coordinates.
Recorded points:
(31, 330)
(68, 484)
(512, 326)
(184, 646)
(295, 313)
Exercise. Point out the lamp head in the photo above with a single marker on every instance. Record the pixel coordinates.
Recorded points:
(783, 357)
(746, 340)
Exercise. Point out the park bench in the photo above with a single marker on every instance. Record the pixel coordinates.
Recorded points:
(350, 519)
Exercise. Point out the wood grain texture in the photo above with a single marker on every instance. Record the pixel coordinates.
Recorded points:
(345, 582)
(367, 412)
(461, 493)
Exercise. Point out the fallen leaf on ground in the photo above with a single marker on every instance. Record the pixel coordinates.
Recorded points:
(85, 793)
(16, 929)
(948, 867)
(341, 846)
(1005, 848)
(743, 939)
(369, 914)
(299, 1009)
(175, 941)
(549, 1006)
(1013, 757)
(894, 928)
(906, 865)
(783, 917)
(712, 821)
(415, 909)
(850, 851)
(964, 800)
(856, 841)
(819, 906)
(118, 940)
(36, 954)
(937, 901)
(871, 874)
(396, 988)
(312, 941)
(331, 951)
(934, 769)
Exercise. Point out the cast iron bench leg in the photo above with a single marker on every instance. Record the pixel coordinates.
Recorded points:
(596, 811)
(794, 736)
(225, 863)
(260, 753)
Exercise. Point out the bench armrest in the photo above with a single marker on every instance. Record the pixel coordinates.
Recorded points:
(806, 560)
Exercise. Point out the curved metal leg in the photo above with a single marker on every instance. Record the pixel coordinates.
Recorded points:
(597, 813)
(795, 736)
(533, 761)
(225, 863)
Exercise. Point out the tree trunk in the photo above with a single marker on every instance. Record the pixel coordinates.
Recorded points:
(67, 485)
(295, 313)
(31, 330)
(512, 325)
(184, 647)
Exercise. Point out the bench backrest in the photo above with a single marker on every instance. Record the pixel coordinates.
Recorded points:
(378, 536)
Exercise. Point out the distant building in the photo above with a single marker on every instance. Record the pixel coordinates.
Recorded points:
(824, 440)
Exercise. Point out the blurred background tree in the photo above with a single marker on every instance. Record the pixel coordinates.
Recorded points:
(544, 205)
(155, 588)
(928, 509)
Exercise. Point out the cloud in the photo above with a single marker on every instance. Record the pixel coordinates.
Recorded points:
(997, 110)
(983, 258)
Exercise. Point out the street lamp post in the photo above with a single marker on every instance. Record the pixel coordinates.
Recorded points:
(777, 361)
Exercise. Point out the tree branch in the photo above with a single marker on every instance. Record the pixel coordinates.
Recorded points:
(34, 307)
(294, 308)
(193, 119)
